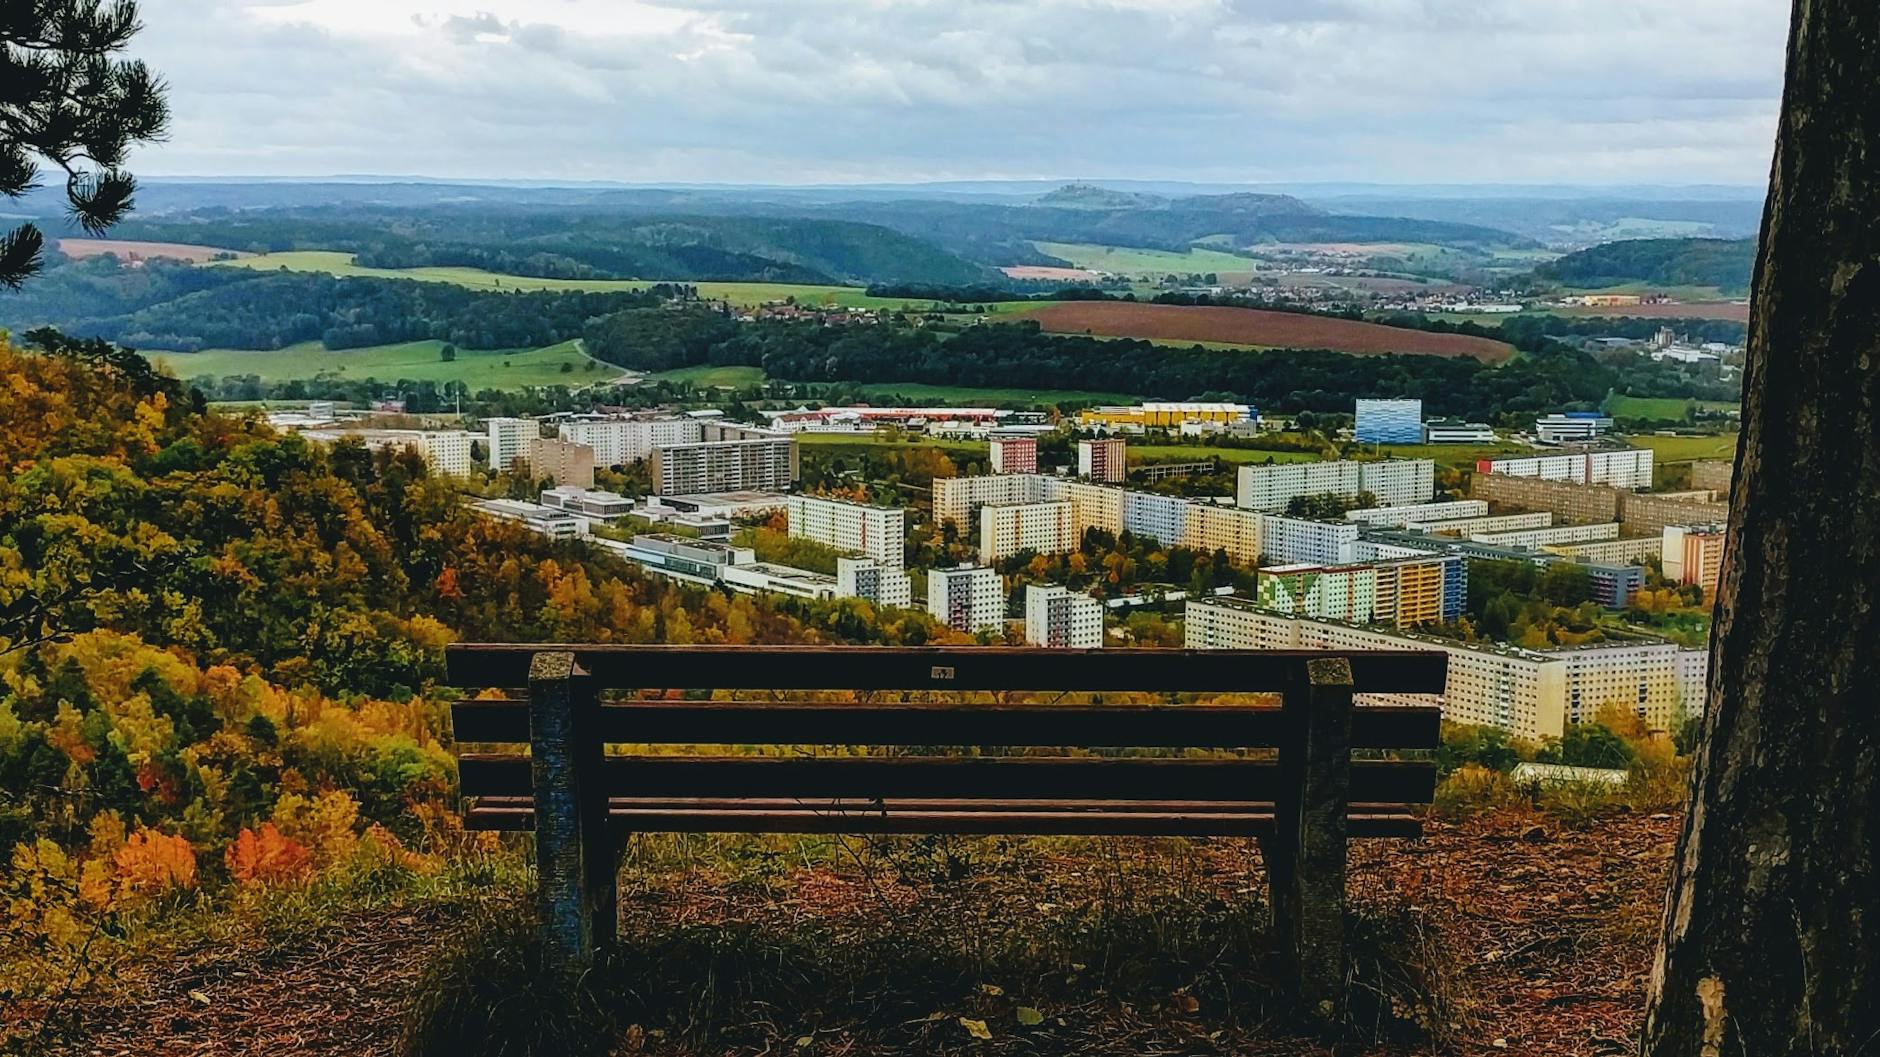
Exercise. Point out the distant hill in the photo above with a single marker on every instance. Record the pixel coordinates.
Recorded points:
(1723, 263)
(568, 243)
(1087, 196)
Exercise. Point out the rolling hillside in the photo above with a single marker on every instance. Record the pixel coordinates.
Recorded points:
(1725, 264)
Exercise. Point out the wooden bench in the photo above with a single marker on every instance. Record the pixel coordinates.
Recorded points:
(581, 801)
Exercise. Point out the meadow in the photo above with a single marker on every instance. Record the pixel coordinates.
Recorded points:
(1687, 449)
(418, 361)
(1123, 260)
(1252, 326)
(742, 294)
(1660, 408)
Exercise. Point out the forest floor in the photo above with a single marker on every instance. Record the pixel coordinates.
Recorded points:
(1543, 934)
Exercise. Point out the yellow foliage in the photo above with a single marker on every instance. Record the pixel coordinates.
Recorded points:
(324, 824)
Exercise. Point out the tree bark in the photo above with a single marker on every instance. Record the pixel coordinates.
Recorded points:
(1771, 942)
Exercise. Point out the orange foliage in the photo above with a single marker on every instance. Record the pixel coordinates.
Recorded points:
(265, 855)
(152, 863)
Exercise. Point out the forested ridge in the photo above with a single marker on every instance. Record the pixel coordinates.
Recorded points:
(217, 648)
(1722, 263)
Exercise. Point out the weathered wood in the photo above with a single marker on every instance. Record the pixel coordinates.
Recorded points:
(956, 668)
(1088, 726)
(986, 778)
(1314, 928)
(1771, 942)
(575, 912)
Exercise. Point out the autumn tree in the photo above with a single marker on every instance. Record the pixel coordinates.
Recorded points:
(1771, 942)
(67, 100)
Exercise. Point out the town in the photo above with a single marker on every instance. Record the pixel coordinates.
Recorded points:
(1094, 550)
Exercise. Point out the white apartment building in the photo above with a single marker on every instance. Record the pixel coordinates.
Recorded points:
(1531, 693)
(1062, 619)
(1163, 518)
(1417, 513)
(745, 460)
(444, 451)
(509, 440)
(618, 441)
(1541, 537)
(1468, 526)
(1092, 505)
(1343, 592)
(958, 499)
(1014, 454)
(1102, 460)
(1626, 468)
(1610, 552)
(866, 578)
(1047, 528)
(967, 598)
(1304, 541)
(1395, 482)
(877, 532)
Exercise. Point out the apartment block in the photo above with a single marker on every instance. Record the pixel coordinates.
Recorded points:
(967, 599)
(1693, 555)
(1396, 482)
(1625, 468)
(877, 532)
(868, 579)
(1469, 526)
(1060, 618)
(1046, 528)
(1097, 506)
(1104, 461)
(1014, 454)
(1531, 693)
(1610, 552)
(1653, 513)
(1339, 592)
(1163, 518)
(1567, 501)
(1417, 513)
(1304, 541)
(1389, 422)
(1213, 528)
(1540, 537)
(444, 451)
(568, 464)
(1614, 585)
(1714, 475)
(728, 459)
(619, 441)
(1417, 591)
(956, 500)
(509, 439)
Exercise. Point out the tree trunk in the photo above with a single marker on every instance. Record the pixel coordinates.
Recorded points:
(1771, 941)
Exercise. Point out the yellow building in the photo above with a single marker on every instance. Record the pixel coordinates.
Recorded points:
(1166, 415)
(1213, 528)
(1409, 593)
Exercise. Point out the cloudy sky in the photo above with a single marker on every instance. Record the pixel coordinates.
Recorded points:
(807, 91)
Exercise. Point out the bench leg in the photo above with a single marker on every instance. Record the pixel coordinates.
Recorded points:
(575, 861)
(1306, 863)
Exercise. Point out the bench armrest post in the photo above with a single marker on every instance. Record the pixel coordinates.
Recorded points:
(574, 858)
(1308, 876)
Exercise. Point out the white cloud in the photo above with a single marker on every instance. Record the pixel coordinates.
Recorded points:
(815, 90)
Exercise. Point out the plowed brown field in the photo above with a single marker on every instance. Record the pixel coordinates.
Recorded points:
(1252, 326)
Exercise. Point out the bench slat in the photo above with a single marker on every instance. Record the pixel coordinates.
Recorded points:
(1017, 818)
(759, 723)
(943, 668)
(977, 778)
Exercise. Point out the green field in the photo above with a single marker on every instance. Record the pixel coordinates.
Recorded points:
(1145, 453)
(892, 440)
(1446, 454)
(341, 264)
(1687, 449)
(415, 360)
(707, 376)
(1123, 260)
(1662, 409)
